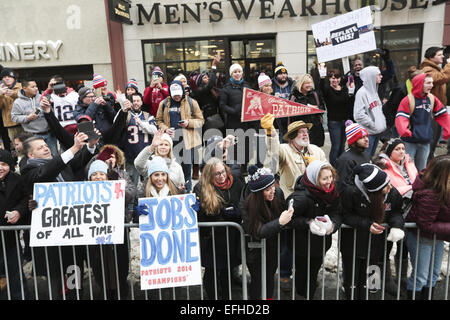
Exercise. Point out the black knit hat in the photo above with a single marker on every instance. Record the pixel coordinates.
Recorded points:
(373, 178)
(6, 157)
(7, 72)
(259, 178)
(391, 144)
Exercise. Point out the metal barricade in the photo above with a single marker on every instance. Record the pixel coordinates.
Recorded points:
(108, 266)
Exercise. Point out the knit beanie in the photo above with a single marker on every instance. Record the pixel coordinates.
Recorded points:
(180, 77)
(371, 176)
(97, 166)
(158, 71)
(200, 78)
(7, 72)
(263, 80)
(259, 178)
(235, 67)
(157, 164)
(83, 92)
(391, 144)
(280, 68)
(167, 138)
(6, 157)
(132, 83)
(98, 81)
(354, 132)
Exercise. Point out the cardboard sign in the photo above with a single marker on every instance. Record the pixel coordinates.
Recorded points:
(78, 213)
(256, 104)
(170, 248)
(344, 35)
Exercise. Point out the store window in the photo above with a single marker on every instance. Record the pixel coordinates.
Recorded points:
(404, 43)
(255, 55)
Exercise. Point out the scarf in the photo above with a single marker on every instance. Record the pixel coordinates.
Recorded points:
(236, 82)
(41, 162)
(226, 185)
(165, 191)
(328, 195)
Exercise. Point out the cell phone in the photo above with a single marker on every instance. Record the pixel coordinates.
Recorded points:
(87, 127)
(37, 111)
(350, 79)
(321, 218)
(155, 77)
(291, 204)
(181, 121)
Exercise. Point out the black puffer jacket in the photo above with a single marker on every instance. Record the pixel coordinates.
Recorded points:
(268, 230)
(307, 206)
(230, 105)
(357, 215)
(316, 134)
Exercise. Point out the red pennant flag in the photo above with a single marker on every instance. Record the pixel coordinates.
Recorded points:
(256, 104)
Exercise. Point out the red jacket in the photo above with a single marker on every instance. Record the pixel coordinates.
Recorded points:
(426, 212)
(153, 97)
(416, 128)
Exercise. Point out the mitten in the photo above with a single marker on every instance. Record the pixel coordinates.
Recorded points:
(327, 224)
(309, 159)
(395, 235)
(316, 228)
(141, 210)
(267, 123)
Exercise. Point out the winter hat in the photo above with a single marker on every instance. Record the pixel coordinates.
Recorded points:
(97, 166)
(263, 80)
(235, 67)
(259, 178)
(98, 81)
(158, 71)
(7, 72)
(280, 68)
(180, 77)
(354, 132)
(391, 144)
(83, 92)
(157, 164)
(200, 78)
(132, 83)
(167, 138)
(372, 177)
(84, 117)
(106, 153)
(313, 170)
(6, 157)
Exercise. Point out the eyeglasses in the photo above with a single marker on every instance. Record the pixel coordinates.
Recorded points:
(218, 174)
(90, 97)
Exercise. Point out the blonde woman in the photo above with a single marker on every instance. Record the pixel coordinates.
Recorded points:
(218, 193)
(161, 146)
(303, 92)
(158, 183)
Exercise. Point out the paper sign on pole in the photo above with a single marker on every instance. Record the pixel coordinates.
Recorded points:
(256, 104)
(78, 213)
(170, 248)
(344, 35)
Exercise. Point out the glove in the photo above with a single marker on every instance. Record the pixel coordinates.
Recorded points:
(395, 235)
(327, 225)
(316, 228)
(141, 210)
(309, 159)
(267, 123)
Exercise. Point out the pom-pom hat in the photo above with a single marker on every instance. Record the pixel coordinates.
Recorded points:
(372, 177)
(259, 178)
(354, 132)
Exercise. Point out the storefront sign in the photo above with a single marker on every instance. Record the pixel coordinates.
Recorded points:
(158, 13)
(28, 51)
(170, 248)
(256, 104)
(78, 213)
(344, 35)
(119, 10)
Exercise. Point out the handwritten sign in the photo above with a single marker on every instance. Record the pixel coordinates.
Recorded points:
(78, 213)
(170, 249)
(344, 35)
(256, 104)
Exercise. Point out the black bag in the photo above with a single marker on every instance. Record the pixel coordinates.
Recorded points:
(214, 121)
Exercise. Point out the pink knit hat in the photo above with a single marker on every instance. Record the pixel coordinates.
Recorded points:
(263, 80)
(98, 81)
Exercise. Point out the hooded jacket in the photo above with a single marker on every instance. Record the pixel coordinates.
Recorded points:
(368, 109)
(192, 134)
(24, 106)
(416, 127)
(440, 78)
(6, 103)
(395, 175)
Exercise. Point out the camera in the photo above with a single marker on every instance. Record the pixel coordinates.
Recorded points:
(59, 88)
(107, 98)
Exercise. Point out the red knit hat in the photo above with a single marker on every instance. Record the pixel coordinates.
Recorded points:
(98, 81)
(354, 132)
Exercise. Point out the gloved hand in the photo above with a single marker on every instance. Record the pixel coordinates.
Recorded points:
(327, 224)
(141, 210)
(267, 123)
(309, 159)
(395, 235)
(316, 228)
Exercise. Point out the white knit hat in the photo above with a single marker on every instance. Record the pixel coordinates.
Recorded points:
(234, 67)
(263, 80)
